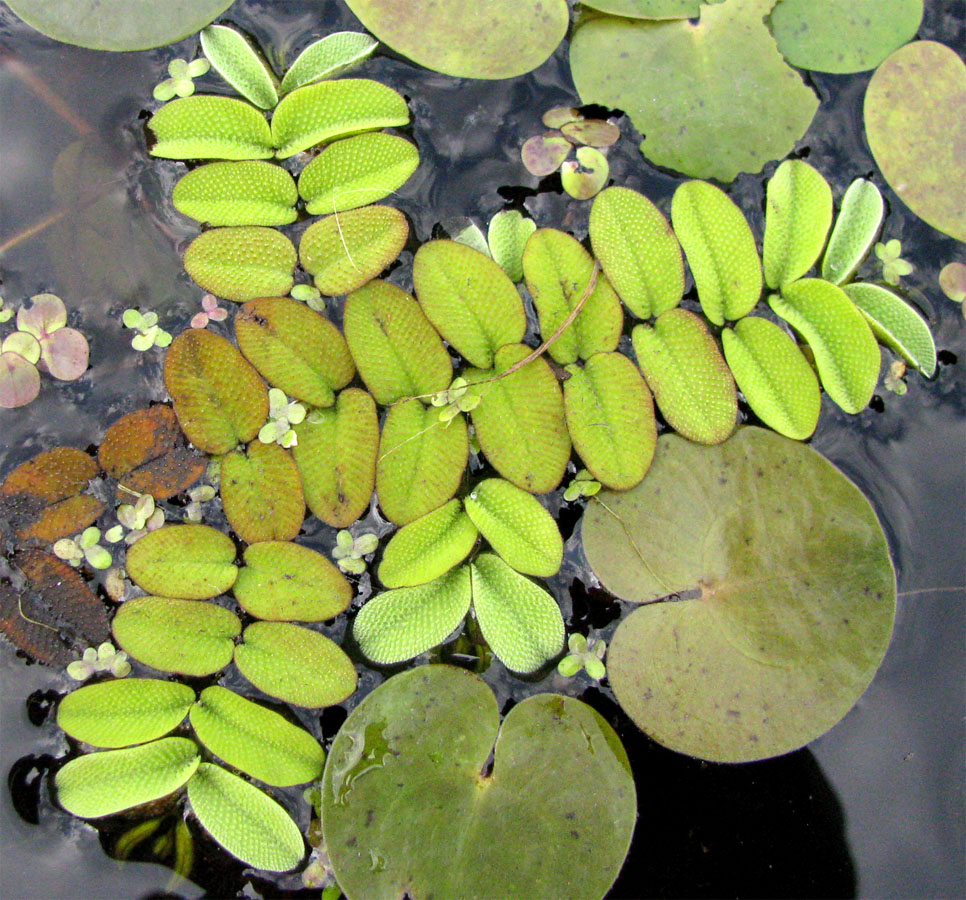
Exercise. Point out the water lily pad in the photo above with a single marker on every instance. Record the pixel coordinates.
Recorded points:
(101, 784)
(208, 127)
(506, 237)
(283, 581)
(190, 562)
(240, 64)
(245, 821)
(952, 281)
(356, 171)
(397, 350)
(855, 230)
(295, 348)
(242, 263)
(845, 350)
(295, 664)
(322, 112)
(126, 711)
(649, 9)
(637, 251)
(543, 153)
(328, 57)
(776, 379)
(721, 250)
(344, 251)
(705, 125)
(557, 270)
(586, 176)
(915, 123)
(790, 599)
(507, 38)
(421, 461)
(594, 132)
(610, 416)
(530, 829)
(517, 526)
(19, 381)
(250, 192)
(689, 378)
(520, 420)
(469, 299)
(254, 739)
(183, 636)
(826, 36)
(219, 399)
(397, 625)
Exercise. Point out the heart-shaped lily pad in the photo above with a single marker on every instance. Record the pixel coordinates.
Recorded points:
(856, 227)
(327, 57)
(240, 64)
(191, 562)
(594, 132)
(530, 829)
(251, 192)
(543, 153)
(208, 127)
(585, 176)
(787, 605)
(242, 263)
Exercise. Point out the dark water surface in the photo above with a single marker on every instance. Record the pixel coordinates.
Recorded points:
(874, 808)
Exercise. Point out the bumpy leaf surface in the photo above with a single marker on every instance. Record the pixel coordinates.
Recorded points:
(237, 193)
(242, 263)
(240, 64)
(856, 227)
(191, 562)
(507, 236)
(327, 57)
(207, 127)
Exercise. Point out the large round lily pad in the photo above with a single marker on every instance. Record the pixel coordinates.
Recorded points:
(409, 808)
(776, 605)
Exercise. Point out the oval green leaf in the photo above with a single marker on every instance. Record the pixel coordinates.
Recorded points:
(251, 192)
(584, 177)
(242, 263)
(190, 562)
(507, 236)
(240, 64)
(856, 227)
(208, 127)
(649, 9)
(327, 57)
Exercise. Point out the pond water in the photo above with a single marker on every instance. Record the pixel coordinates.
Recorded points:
(873, 808)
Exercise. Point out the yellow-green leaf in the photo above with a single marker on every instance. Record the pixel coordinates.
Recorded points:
(240, 64)
(507, 236)
(242, 263)
(191, 562)
(856, 227)
(327, 57)
(207, 127)
(251, 192)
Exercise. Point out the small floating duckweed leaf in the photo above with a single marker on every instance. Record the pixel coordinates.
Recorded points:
(240, 64)
(344, 251)
(894, 378)
(184, 636)
(689, 378)
(295, 664)
(322, 112)
(64, 351)
(254, 739)
(244, 820)
(242, 263)
(845, 350)
(248, 192)
(282, 415)
(894, 267)
(149, 332)
(610, 416)
(543, 153)
(720, 248)
(181, 83)
(798, 214)
(593, 132)
(469, 299)
(121, 713)
(328, 57)
(637, 250)
(210, 127)
(101, 784)
(284, 581)
(397, 350)
(191, 562)
(586, 177)
(583, 485)
(896, 324)
(774, 376)
(19, 380)
(356, 171)
(399, 624)
(507, 236)
(952, 281)
(854, 232)
(584, 655)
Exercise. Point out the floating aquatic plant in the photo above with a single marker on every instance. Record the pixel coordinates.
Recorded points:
(583, 485)
(84, 547)
(349, 551)
(6, 313)
(104, 658)
(240, 64)
(584, 654)
(952, 282)
(894, 267)
(894, 379)
(282, 414)
(181, 81)
(149, 333)
(210, 312)
(138, 519)
(328, 57)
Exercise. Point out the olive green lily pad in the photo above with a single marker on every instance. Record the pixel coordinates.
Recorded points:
(776, 379)
(915, 123)
(242, 263)
(788, 602)
(530, 829)
(245, 821)
(126, 711)
(209, 127)
(397, 350)
(649, 9)
(469, 299)
(283, 581)
(255, 739)
(610, 416)
(557, 270)
(507, 235)
(689, 378)
(397, 625)
(356, 171)
(421, 461)
(327, 57)
(637, 250)
(543, 153)
(586, 176)
(336, 458)
(295, 664)
(854, 232)
(707, 125)
(826, 36)
(249, 192)
(332, 109)
(240, 64)
(190, 562)
(428, 547)
(504, 39)
(517, 526)
(344, 251)
(183, 636)
(845, 350)
(594, 132)
(101, 784)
